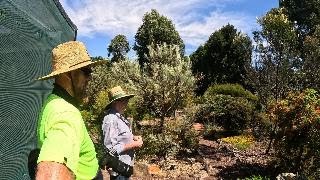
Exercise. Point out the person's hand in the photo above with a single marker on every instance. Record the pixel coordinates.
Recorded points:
(138, 141)
(135, 138)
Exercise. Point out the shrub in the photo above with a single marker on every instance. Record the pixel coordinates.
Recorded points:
(234, 90)
(241, 142)
(177, 138)
(257, 177)
(212, 131)
(260, 125)
(297, 145)
(227, 105)
(232, 113)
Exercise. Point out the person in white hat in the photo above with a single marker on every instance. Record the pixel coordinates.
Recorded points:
(66, 149)
(117, 133)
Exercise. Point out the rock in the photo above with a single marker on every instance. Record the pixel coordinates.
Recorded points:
(286, 176)
(154, 169)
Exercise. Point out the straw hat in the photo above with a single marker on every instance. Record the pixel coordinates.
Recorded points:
(67, 57)
(117, 93)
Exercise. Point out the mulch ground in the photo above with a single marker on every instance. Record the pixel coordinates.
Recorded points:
(215, 159)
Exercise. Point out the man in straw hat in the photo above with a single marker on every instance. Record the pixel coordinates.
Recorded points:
(66, 150)
(117, 132)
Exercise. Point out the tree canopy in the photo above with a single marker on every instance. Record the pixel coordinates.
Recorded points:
(224, 58)
(155, 29)
(306, 13)
(118, 47)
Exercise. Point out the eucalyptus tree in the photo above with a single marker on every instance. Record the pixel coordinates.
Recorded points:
(224, 58)
(119, 47)
(155, 29)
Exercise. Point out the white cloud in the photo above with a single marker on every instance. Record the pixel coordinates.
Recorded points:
(195, 20)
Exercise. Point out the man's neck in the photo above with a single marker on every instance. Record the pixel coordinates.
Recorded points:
(64, 81)
(61, 92)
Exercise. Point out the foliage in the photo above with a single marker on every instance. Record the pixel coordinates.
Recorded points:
(155, 29)
(96, 58)
(167, 82)
(298, 131)
(257, 177)
(166, 86)
(118, 47)
(123, 73)
(232, 113)
(234, 90)
(229, 106)
(178, 138)
(213, 131)
(224, 58)
(305, 14)
(241, 142)
(260, 125)
(311, 68)
(277, 62)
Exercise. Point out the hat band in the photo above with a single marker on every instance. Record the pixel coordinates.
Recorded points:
(118, 96)
(79, 63)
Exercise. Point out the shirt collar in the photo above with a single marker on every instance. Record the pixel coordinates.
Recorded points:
(59, 91)
(115, 112)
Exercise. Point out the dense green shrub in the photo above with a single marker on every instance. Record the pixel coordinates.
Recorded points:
(260, 125)
(232, 113)
(234, 90)
(297, 145)
(231, 107)
(177, 138)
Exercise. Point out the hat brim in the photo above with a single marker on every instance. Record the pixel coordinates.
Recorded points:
(127, 96)
(72, 68)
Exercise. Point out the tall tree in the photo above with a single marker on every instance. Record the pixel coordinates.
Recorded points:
(118, 47)
(306, 18)
(276, 60)
(306, 14)
(155, 29)
(224, 58)
(311, 67)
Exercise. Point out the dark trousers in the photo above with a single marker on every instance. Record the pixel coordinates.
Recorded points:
(99, 175)
(119, 177)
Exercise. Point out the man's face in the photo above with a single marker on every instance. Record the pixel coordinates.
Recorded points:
(80, 78)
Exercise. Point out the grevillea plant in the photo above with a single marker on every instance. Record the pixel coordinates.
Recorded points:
(297, 121)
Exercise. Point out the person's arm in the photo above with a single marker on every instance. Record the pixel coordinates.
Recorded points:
(47, 170)
(112, 138)
(136, 143)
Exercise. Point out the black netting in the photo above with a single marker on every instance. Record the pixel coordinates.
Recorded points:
(29, 29)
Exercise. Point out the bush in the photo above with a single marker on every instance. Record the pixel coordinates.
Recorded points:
(232, 113)
(260, 125)
(241, 142)
(177, 138)
(257, 177)
(297, 145)
(234, 90)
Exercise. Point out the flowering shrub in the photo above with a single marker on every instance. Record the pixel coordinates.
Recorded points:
(241, 142)
(297, 120)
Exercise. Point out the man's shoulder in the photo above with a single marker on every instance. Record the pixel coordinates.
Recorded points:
(56, 103)
(59, 109)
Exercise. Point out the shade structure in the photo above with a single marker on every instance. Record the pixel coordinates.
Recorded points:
(29, 30)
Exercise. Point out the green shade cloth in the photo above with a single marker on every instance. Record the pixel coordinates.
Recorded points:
(29, 29)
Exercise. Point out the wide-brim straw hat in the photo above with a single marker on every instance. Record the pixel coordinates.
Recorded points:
(69, 56)
(117, 93)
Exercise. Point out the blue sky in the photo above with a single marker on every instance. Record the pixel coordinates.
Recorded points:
(99, 21)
